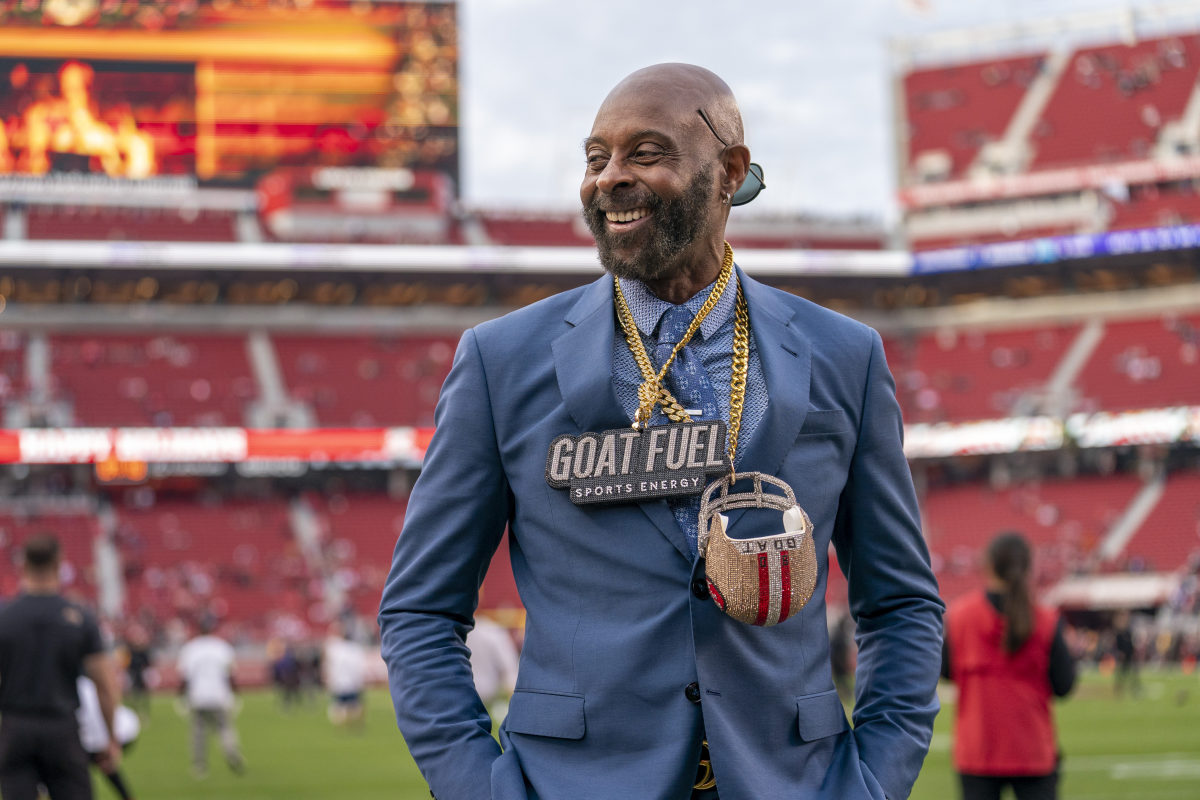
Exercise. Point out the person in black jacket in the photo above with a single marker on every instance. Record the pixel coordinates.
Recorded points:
(46, 643)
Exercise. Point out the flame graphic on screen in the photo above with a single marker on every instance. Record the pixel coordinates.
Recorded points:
(67, 123)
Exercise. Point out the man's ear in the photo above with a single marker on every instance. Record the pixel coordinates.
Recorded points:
(736, 161)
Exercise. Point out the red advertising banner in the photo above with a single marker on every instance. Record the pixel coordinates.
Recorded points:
(213, 445)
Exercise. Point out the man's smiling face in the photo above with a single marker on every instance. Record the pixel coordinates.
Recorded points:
(648, 193)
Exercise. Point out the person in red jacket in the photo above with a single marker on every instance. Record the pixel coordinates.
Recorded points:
(1008, 657)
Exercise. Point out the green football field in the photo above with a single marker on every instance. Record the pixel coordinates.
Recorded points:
(1144, 749)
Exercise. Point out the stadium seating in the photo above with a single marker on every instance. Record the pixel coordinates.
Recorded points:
(367, 381)
(359, 533)
(957, 109)
(187, 556)
(947, 375)
(1112, 100)
(137, 380)
(1143, 363)
(1170, 535)
(956, 376)
(964, 375)
(1117, 102)
(1109, 104)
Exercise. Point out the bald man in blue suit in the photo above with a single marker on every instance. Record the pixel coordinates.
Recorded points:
(631, 674)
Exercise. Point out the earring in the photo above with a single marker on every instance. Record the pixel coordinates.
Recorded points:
(724, 198)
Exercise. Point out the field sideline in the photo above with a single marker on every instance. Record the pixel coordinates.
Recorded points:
(1148, 749)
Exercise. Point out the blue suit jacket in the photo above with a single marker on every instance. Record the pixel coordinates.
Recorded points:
(614, 635)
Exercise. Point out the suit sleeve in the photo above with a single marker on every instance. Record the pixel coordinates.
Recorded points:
(455, 519)
(892, 592)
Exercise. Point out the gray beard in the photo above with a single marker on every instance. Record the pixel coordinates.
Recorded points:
(676, 225)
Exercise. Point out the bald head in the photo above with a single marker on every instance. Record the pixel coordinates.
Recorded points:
(658, 181)
(683, 88)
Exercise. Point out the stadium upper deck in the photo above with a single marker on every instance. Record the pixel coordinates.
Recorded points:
(1076, 126)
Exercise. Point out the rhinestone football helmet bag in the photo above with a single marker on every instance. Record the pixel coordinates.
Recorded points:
(760, 581)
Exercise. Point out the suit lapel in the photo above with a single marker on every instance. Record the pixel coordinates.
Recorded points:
(785, 355)
(583, 361)
(583, 366)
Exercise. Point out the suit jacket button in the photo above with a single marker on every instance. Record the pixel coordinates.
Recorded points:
(700, 587)
(692, 692)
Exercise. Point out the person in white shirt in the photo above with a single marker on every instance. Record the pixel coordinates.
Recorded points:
(206, 669)
(344, 665)
(93, 733)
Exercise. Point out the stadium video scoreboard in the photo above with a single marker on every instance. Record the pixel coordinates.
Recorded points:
(225, 92)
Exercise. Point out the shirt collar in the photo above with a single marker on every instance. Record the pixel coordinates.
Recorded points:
(647, 309)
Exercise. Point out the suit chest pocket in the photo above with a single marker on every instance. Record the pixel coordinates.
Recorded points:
(818, 422)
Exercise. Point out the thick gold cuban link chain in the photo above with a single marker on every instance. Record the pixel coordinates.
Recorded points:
(654, 392)
(741, 366)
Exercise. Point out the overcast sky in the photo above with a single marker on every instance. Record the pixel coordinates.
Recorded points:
(812, 77)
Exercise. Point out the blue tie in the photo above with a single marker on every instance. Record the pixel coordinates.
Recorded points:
(688, 380)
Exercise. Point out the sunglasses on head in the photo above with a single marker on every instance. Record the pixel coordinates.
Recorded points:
(753, 184)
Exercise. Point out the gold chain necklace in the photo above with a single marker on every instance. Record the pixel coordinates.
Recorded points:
(653, 391)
